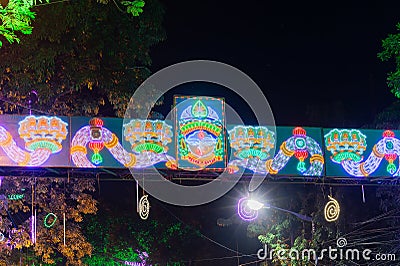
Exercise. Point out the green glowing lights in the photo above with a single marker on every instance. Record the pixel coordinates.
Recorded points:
(97, 159)
(347, 156)
(149, 147)
(53, 146)
(49, 220)
(15, 196)
(252, 153)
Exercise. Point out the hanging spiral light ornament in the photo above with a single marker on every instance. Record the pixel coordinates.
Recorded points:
(1, 237)
(245, 212)
(144, 207)
(332, 210)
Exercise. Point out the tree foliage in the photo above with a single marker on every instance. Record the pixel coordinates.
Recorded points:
(118, 236)
(57, 196)
(82, 58)
(16, 16)
(282, 231)
(391, 51)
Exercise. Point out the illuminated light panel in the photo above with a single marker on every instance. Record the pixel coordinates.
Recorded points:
(200, 139)
(246, 142)
(42, 136)
(350, 156)
(345, 144)
(331, 210)
(49, 216)
(148, 131)
(43, 132)
(251, 145)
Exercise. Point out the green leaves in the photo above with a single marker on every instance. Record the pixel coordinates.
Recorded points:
(16, 17)
(391, 51)
(134, 7)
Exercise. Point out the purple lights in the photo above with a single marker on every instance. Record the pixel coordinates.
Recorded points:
(143, 256)
(245, 212)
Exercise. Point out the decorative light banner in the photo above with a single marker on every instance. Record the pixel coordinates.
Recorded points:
(200, 138)
(362, 152)
(150, 142)
(197, 139)
(96, 143)
(34, 141)
(298, 151)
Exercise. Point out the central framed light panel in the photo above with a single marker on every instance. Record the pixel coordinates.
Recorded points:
(200, 133)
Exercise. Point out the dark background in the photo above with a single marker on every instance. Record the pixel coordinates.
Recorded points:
(315, 61)
(317, 64)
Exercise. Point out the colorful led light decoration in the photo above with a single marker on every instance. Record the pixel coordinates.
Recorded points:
(390, 154)
(96, 143)
(96, 137)
(347, 147)
(43, 136)
(50, 216)
(15, 196)
(301, 146)
(200, 136)
(252, 145)
(149, 141)
(346, 144)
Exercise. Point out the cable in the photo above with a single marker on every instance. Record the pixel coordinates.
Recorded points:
(24, 106)
(56, 2)
(202, 235)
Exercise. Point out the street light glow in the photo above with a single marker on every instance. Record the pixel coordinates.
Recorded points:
(254, 204)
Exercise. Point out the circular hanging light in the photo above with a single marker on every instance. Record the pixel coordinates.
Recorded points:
(144, 207)
(49, 225)
(332, 210)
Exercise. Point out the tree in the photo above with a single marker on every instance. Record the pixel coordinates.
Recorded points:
(282, 231)
(391, 51)
(82, 58)
(120, 236)
(16, 16)
(52, 199)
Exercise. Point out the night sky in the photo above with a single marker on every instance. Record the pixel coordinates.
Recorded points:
(315, 61)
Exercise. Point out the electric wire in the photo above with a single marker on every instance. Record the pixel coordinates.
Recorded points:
(202, 235)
